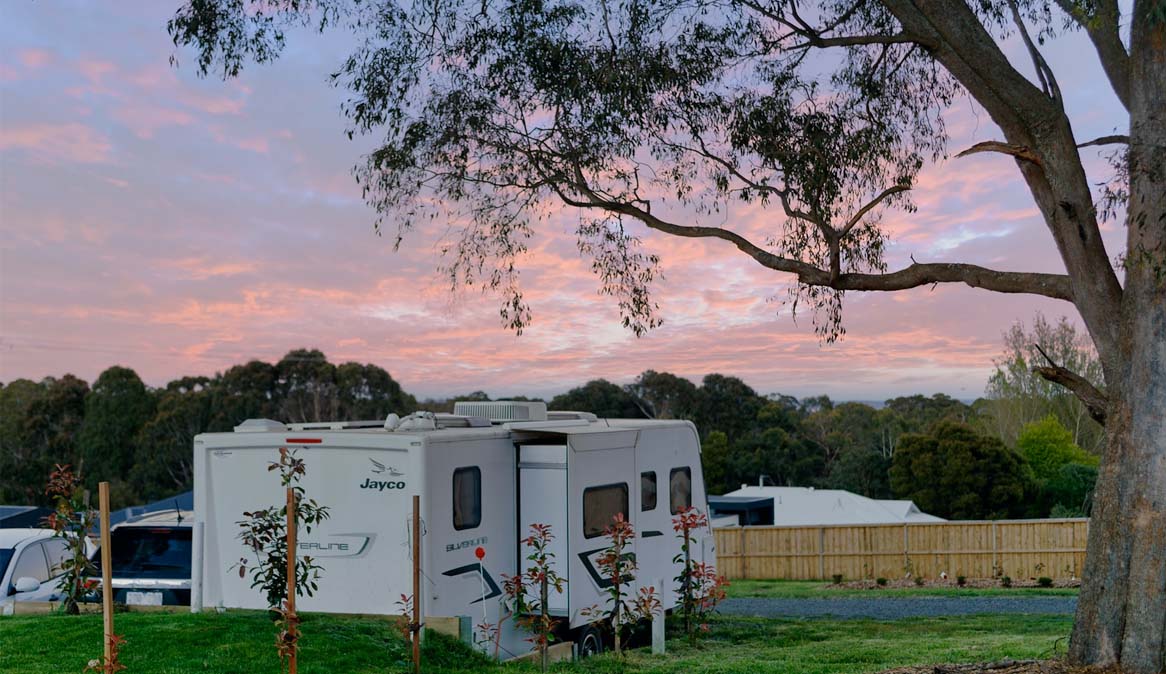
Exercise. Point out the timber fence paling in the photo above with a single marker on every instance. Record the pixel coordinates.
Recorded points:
(975, 549)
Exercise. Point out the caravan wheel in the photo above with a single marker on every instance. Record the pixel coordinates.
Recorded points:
(589, 642)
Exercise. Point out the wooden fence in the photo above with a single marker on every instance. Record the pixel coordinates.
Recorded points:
(976, 549)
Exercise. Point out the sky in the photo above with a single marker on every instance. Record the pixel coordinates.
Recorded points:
(179, 225)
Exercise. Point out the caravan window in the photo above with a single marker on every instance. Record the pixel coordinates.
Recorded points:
(601, 505)
(467, 497)
(648, 491)
(680, 489)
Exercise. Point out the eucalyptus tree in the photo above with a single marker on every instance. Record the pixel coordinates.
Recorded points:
(656, 114)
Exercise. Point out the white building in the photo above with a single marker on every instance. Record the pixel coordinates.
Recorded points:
(807, 506)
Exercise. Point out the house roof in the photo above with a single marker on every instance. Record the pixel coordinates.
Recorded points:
(806, 506)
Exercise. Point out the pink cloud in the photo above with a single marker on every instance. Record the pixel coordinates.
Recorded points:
(35, 58)
(72, 142)
(145, 119)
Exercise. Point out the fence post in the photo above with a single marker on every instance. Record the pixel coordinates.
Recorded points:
(744, 555)
(822, 553)
(995, 549)
(906, 554)
(106, 571)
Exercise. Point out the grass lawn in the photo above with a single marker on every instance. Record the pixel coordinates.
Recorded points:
(242, 642)
(812, 589)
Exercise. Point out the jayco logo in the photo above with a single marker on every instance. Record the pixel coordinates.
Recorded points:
(370, 483)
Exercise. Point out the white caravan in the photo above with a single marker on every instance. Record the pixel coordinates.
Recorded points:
(484, 475)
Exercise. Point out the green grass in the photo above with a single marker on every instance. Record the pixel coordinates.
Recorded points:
(811, 589)
(242, 642)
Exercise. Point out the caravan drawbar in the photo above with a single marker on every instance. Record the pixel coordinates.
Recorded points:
(484, 475)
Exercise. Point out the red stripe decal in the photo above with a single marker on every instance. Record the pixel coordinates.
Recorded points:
(304, 441)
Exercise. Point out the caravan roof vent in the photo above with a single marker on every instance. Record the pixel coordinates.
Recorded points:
(260, 426)
(565, 415)
(502, 411)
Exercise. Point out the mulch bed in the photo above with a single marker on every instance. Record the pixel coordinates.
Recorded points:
(1005, 667)
(981, 583)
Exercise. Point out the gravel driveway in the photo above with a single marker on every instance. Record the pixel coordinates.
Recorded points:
(894, 608)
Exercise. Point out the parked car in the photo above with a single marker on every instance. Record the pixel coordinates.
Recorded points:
(30, 566)
(151, 559)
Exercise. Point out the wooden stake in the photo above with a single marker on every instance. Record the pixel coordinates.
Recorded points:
(291, 571)
(106, 570)
(416, 626)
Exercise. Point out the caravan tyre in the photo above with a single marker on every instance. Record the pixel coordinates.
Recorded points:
(590, 641)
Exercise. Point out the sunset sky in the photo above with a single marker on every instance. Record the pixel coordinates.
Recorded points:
(179, 225)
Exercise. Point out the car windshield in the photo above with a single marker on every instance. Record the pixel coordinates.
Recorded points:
(5, 555)
(150, 553)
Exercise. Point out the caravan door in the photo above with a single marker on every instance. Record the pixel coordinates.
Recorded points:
(602, 483)
(542, 499)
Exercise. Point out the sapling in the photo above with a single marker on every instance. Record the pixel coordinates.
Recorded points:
(71, 520)
(531, 614)
(618, 568)
(264, 532)
(700, 588)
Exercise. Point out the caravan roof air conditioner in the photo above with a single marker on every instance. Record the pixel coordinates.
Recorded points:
(502, 411)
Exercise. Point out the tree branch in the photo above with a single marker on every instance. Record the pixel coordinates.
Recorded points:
(814, 40)
(1018, 151)
(1095, 401)
(854, 219)
(1056, 286)
(1043, 72)
(1102, 27)
(1116, 139)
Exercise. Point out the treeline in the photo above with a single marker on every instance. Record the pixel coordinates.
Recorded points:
(940, 452)
(951, 458)
(140, 439)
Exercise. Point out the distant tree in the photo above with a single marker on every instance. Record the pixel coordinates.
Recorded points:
(663, 395)
(781, 457)
(369, 392)
(16, 452)
(1048, 446)
(600, 397)
(50, 427)
(1017, 394)
(920, 412)
(726, 404)
(249, 391)
(1071, 490)
(715, 458)
(307, 386)
(862, 471)
(956, 473)
(116, 408)
(164, 463)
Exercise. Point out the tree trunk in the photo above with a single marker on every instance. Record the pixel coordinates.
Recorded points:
(1121, 614)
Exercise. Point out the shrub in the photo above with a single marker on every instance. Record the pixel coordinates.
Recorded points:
(700, 588)
(918, 581)
(1044, 581)
(619, 569)
(70, 520)
(837, 578)
(961, 580)
(881, 581)
(534, 614)
(1006, 581)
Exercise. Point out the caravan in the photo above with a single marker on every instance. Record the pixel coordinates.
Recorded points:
(484, 475)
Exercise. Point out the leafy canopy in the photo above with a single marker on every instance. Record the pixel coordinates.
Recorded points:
(490, 112)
